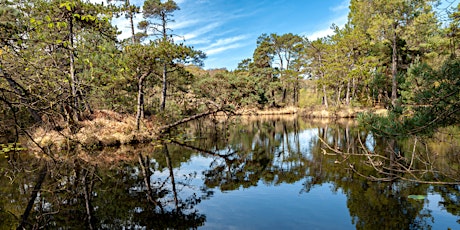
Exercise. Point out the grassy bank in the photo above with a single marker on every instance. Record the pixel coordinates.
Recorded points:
(108, 129)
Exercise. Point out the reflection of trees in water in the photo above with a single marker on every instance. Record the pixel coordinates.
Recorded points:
(270, 151)
(261, 150)
(81, 195)
(147, 190)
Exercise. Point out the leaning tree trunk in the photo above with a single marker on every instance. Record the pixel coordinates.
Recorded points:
(23, 94)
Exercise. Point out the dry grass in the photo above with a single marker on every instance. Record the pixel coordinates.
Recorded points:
(322, 112)
(104, 128)
(278, 111)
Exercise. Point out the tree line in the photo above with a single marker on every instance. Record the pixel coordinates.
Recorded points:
(61, 60)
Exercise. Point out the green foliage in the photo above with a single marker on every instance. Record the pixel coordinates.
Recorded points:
(55, 53)
(10, 147)
(307, 98)
(434, 103)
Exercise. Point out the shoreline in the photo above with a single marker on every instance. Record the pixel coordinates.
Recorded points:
(315, 112)
(110, 129)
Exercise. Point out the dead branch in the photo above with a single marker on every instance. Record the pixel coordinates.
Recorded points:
(191, 118)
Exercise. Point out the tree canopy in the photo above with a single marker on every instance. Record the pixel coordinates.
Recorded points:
(61, 60)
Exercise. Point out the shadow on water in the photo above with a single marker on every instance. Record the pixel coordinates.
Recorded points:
(386, 183)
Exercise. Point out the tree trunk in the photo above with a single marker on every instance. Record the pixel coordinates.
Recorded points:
(284, 95)
(165, 67)
(353, 90)
(73, 77)
(347, 96)
(131, 22)
(165, 85)
(325, 97)
(394, 70)
(339, 92)
(140, 99)
(295, 93)
(23, 94)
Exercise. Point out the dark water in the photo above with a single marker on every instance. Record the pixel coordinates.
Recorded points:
(268, 173)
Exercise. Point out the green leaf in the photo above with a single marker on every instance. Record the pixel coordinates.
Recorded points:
(417, 197)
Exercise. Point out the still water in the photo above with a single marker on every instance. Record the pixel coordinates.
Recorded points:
(264, 173)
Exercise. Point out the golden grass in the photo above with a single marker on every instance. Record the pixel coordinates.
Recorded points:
(272, 111)
(333, 112)
(104, 128)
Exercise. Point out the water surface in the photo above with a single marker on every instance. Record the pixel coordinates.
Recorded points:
(265, 173)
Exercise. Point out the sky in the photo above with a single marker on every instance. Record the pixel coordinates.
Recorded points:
(227, 30)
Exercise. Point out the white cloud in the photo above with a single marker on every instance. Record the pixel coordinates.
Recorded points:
(339, 21)
(319, 34)
(122, 23)
(183, 24)
(226, 41)
(197, 41)
(224, 44)
(201, 31)
(343, 6)
(212, 51)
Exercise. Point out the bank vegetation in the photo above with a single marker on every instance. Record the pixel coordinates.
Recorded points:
(66, 80)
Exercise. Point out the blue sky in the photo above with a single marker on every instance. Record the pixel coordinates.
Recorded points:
(227, 30)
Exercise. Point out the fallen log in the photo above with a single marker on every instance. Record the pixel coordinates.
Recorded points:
(194, 117)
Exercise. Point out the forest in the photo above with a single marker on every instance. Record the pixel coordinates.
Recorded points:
(63, 66)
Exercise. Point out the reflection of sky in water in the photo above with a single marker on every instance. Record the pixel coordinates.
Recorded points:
(270, 207)
(282, 206)
(441, 218)
(277, 207)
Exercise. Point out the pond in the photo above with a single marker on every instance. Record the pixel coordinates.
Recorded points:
(245, 173)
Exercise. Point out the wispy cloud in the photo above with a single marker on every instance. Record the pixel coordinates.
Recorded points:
(340, 20)
(213, 51)
(343, 6)
(221, 45)
(201, 31)
(319, 34)
(123, 25)
(227, 41)
(183, 24)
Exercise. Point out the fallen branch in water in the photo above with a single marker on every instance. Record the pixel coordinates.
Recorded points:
(194, 117)
(395, 167)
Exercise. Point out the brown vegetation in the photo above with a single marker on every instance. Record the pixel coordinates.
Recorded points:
(103, 128)
(106, 128)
